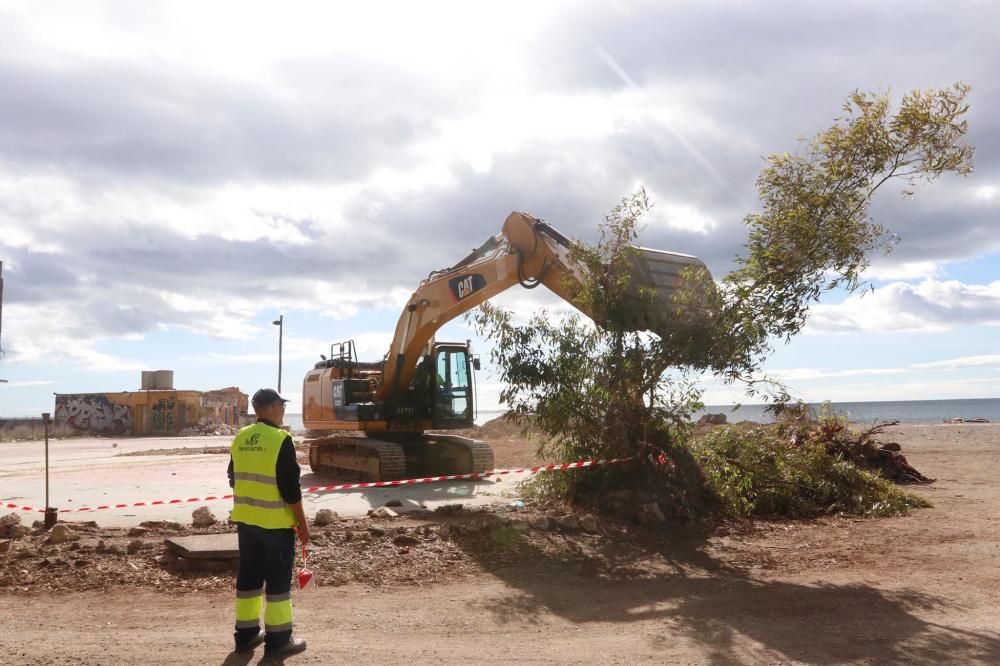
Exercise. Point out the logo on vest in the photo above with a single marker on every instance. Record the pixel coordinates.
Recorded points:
(252, 443)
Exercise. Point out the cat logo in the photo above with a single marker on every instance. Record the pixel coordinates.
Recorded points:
(464, 286)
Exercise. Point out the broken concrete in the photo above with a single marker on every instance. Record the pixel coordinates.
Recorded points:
(206, 546)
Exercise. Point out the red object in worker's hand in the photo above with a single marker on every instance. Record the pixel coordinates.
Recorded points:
(304, 578)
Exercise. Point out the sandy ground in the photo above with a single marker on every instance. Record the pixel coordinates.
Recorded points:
(916, 589)
(90, 472)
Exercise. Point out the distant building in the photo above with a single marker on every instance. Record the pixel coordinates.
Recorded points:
(156, 409)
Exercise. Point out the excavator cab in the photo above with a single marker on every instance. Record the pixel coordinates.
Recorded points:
(452, 399)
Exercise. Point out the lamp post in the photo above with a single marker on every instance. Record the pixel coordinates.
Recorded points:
(280, 323)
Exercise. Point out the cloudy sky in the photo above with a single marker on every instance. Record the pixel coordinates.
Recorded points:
(175, 175)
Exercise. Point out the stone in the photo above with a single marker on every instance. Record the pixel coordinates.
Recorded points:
(203, 517)
(138, 531)
(405, 540)
(541, 523)
(61, 534)
(205, 546)
(444, 531)
(651, 514)
(384, 512)
(162, 525)
(394, 502)
(376, 531)
(589, 524)
(18, 531)
(4, 545)
(114, 549)
(134, 546)
(101, 546)
(568, 522)
(8, 522)
(10, 519)
(713, 419)
(325, 517)
(74, 546)
(449, 508)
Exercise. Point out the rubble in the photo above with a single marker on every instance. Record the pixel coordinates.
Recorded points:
(8, 522)
(203, 517)
(325, 517)
(61, 534)
(207, 426)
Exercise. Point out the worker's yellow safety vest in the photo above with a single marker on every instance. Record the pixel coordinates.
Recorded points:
(257, 500)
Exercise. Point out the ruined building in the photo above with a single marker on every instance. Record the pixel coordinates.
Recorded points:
(157, 408)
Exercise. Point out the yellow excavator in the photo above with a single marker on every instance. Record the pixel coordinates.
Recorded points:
(370, 420)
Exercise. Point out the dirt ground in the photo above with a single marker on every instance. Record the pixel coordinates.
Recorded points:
(509, 584)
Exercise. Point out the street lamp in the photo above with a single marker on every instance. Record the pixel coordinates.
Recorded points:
(280, 323)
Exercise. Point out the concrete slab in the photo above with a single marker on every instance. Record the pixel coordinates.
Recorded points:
(206, 546)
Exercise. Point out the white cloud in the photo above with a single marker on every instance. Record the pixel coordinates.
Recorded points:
(794, 374)
(907, 270)
(930, 306)
(962, 362)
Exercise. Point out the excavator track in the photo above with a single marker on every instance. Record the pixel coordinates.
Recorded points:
(369, 459)
(451, 454)
(360, 457)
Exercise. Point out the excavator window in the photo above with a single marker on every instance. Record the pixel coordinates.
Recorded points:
(453, 392)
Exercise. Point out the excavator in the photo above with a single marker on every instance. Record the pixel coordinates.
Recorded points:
(382, 420)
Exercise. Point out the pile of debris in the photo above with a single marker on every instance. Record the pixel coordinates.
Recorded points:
(208, 426)
(864, 450)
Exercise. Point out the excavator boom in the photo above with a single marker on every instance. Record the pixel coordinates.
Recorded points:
(528, 252)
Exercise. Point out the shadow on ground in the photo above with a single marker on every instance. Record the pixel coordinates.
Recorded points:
(699, 599)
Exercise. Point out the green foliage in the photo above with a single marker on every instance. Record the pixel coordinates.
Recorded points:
(814, 233)
(592, 391)
(600, 389)
(763, 471)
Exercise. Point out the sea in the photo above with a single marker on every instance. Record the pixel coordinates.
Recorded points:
(904, 411)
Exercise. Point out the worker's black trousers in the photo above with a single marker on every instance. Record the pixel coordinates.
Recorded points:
(266, 559)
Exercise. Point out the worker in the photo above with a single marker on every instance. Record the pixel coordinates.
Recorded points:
(267, 510)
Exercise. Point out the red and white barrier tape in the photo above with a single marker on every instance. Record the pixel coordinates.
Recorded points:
(351, 486)
(466, 477)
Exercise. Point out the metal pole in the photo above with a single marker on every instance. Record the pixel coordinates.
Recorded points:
(50, 513)
(280, 323)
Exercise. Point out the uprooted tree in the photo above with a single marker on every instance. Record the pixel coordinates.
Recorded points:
(603, 390)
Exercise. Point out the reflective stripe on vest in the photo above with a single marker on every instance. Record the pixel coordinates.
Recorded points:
(257, 500)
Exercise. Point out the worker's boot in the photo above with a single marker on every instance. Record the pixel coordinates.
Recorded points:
(252, 643)
(293, 646)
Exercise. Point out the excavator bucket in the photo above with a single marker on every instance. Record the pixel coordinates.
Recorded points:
(681, 287)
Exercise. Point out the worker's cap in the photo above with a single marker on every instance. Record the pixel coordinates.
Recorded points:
(266, 397)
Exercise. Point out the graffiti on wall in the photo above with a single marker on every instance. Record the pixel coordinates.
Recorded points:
(162, 415)
(94, 413)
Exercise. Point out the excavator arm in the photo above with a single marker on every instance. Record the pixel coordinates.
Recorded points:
(528, 252)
